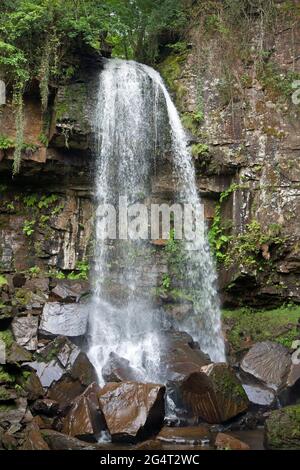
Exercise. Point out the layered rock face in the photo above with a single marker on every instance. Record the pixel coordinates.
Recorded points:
(237, 102)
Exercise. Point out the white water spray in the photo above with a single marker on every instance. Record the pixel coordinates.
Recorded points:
(135, 119)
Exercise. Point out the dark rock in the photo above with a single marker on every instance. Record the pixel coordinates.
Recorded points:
(64, 319)
(25, 331)
(34, 439)
(17, 354)
(31, 384)
(195, 435)
(13, 412)
(132, 410)
(214, 393)
(69, 290)
(269, 363)
(282, 429)
(62, 357)
(9, 442)
(59, 441)
(179, 356)
(65, 390)
(46, 407)
(118, 369)
(228, 442)
(85, 419)
(19, 280)
(83, 370)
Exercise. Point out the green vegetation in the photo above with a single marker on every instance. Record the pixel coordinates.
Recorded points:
(218, 237)
(199, 150)
(7, 338)
(246, 325)
(246, 247)
(37, 39)
(28, 227)
(3, 281)
(5, 143)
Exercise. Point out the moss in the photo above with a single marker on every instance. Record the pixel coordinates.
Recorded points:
(279, 325)
(6, 377)
(226, 383)
(22, 297)
(7, 338)
(4, 394)
(282, 429)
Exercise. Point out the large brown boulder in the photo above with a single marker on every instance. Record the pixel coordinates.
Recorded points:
(133, 411)
(118, 369)
(282, 429)
(85, 419)
(269, 363)
(214, 393)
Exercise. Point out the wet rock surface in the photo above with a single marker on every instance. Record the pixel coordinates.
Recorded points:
(214, 393)
(118, 369)
(132, 410)
(228, 442)
(269, 363)
(196, 435)
(64, 319)
(85, 419)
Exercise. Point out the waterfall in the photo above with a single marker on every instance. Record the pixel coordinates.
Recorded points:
(135, 123)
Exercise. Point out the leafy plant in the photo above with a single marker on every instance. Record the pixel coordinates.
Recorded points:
(5, 143)
(82, 271)
(166, 281)
(28, 227)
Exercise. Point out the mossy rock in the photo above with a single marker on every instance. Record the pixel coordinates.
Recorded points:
(282, 429)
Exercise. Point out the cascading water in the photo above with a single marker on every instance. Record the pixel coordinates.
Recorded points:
(135, 121)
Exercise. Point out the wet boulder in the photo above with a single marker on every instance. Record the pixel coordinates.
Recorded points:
(188, 435)
(69, 290)
(133, 411)
(13, 412)
(85, 419)
(25, 331)
(64, 319)
(118, 369)
(59, 441)
(31, 384)
(282, 429)
(18, 354)
(228, 442)
(269, 363)
(34, 439)
(46, 407)
(214, 393)
(180, 356)
(259, 395)
(59, 358)
(65, 390)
